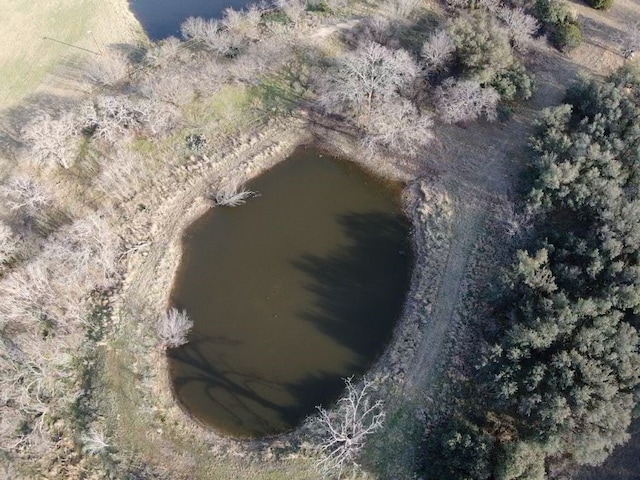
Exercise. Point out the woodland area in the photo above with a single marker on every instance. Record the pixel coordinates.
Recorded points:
(561, 367)
(558, 373)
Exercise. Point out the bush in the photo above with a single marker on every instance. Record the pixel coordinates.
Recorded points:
(173, 328)
(567, 36)
(601, 4)
(551, 12)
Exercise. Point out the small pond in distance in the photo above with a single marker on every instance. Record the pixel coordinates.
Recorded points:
(162, 18)
(290, 293)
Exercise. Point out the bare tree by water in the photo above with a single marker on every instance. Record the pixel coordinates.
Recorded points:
(400, 127)
(466, 100)
(346, 428)
(365, 76)
(173, 328)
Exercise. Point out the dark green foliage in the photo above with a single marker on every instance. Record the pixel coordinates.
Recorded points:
(567, 362)
(556, 19)
(551, 12)
(567, 36)
(459, 450)
(521, 461)
(601, 4)
(318, 6)
(513, 82)
(562, 370)
(482, 49)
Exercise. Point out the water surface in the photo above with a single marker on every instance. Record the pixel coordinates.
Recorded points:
(162, 18)
(289, 293)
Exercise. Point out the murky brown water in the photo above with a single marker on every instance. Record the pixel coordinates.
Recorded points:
(289, 293)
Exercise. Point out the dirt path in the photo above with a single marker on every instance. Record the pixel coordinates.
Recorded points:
(479, 167)
(469, 218)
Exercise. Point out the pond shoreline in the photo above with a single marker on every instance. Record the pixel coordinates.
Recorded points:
(150, 271)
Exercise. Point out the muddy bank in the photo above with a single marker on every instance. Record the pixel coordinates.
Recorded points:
(153, 236)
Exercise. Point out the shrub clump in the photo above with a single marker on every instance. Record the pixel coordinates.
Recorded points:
(601, 4)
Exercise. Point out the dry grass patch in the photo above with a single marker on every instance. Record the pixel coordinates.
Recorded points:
(28, 52)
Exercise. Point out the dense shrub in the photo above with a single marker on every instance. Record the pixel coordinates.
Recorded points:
(567, 36)
(560, 376)
(559, 23)
(601, 4)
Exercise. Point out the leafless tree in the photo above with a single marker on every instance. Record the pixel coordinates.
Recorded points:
(515, 222)
(261, 57)
(121, 174)
(94, 441)
(399, 126)
(438, 50)
(171, 86)
(231, 193)
(165, 52)
(294, 9)
(213, 35)
(347, 427)
(465, 100)
(52, 141)
(244, 23)
(173, 328)
(520, 26)
(369, 73)
(25, 195)
(118, 118)
(108, 70)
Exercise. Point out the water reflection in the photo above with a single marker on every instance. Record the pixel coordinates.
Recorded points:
(162, 18)
(289, 294)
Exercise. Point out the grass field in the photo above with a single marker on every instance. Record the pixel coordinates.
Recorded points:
(30, 39)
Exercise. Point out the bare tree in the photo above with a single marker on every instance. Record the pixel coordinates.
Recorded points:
(118, 118)
(108, 70)
(465, 100)
(173, 328)
(438, 50)
(94, 441)
(294, 9)
(231, 193)
(121, 174)
(165, 52)
(213, 35)
(52, 141)
(347, 427)
(261, 57)
(521, 27)
(514, 221)
(243, 23)
(369, 73)
(172, 87)
(25, 195)
(399, 126)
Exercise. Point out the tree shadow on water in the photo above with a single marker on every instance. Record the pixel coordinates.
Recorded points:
(238, 403)
(358, 291)
(360, 288)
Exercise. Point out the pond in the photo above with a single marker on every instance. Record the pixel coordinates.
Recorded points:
(289, 293)
(162, 18)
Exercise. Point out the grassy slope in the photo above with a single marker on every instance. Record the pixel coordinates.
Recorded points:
(26, 57)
